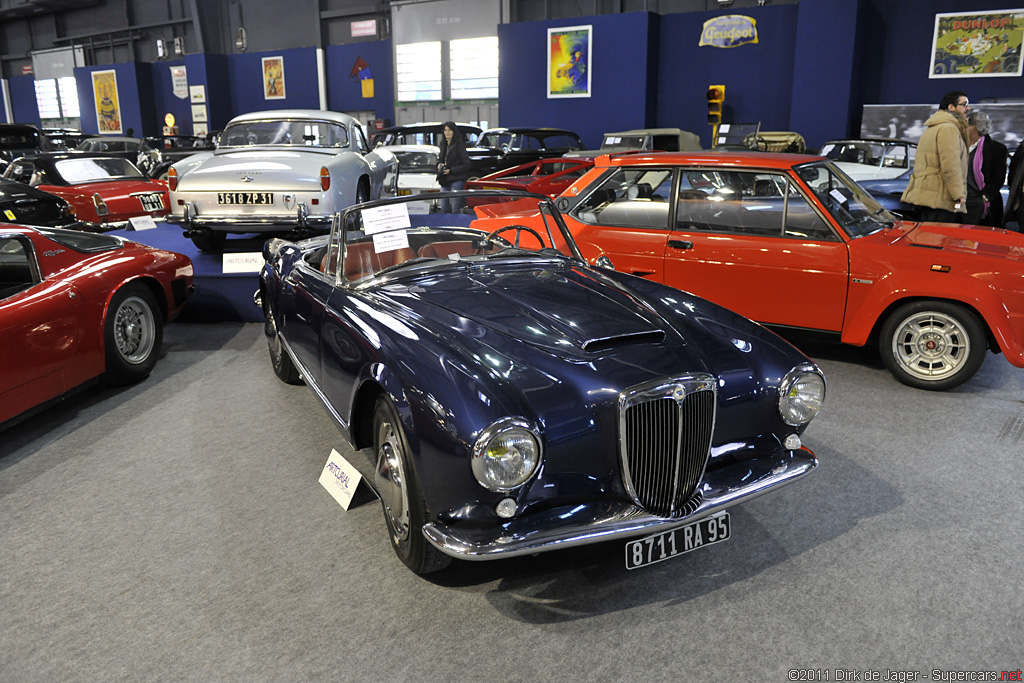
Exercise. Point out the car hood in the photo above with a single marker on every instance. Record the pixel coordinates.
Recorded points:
(568, 310)
(264, 168)
(974, 239)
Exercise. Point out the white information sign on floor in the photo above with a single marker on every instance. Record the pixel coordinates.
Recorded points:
(243, 262)
(340, 478)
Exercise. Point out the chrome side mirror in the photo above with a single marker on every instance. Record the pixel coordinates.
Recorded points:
(604, 262)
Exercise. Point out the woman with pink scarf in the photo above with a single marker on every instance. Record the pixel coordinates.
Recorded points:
(986, 172)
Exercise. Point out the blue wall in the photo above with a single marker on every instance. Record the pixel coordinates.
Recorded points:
(344, 93)
(135, 101)
(245, 81)
(621, 81)
(23, 99)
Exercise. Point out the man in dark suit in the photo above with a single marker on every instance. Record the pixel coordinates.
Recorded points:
(986, 172)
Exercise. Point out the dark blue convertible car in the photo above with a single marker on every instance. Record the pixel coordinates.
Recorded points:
(518, 399)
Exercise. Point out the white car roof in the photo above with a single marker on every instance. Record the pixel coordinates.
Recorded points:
(295, 114)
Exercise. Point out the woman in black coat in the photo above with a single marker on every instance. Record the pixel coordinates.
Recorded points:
(986, 173)
(453, 165)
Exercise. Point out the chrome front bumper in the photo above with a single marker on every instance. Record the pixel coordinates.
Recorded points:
(597, 522)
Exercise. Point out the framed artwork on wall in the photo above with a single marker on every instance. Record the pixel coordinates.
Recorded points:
(273, 78)
(569, 51)
(108, 108)
(977, 44)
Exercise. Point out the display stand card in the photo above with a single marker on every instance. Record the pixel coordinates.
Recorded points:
(341, 479)
(242, 262)
(142, 222)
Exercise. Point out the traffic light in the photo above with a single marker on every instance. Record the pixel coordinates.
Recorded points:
(716, 96)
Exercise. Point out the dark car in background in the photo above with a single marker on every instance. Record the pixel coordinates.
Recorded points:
(501, 148)
(26, 205)
(426, 133)
(136, 150)
(18, 139)
(170, 149)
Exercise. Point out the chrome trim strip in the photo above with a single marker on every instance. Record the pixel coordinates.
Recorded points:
(304, 374)
(599, 522)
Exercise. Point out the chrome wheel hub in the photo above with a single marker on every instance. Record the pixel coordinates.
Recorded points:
(931, 345)
(134, 330)
(390, 481)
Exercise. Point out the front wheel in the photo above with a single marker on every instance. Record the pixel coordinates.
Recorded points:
(933, 345)
(282, 363)
(405, 511)
(133, 332)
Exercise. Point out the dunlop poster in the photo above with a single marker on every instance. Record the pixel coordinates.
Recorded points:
(977, 44)
(108, 109)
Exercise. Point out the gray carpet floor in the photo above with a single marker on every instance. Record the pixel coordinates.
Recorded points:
(175, 530)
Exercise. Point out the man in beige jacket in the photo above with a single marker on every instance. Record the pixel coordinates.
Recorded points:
(938, 183)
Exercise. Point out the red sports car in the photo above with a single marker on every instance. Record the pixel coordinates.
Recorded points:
(104, 190)
(545, 176)
(79, 305)
(791, 240)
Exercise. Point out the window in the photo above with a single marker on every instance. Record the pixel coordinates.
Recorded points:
(418, 71)
(16, 271)
(633, 197)
(57, 98)
(474, 68)
(747, 203)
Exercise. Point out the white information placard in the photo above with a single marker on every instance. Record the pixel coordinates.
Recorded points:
(142, 222)
(243, 262)
(389, 241)
(340, 478)
(383, 218)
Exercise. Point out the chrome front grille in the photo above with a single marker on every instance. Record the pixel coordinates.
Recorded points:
(665, 430)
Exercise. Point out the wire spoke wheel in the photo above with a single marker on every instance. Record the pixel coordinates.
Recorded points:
(134, 330)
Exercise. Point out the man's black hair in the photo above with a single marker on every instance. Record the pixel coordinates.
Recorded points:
(952, 97)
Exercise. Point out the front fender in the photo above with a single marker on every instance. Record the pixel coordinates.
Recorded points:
(870, 303)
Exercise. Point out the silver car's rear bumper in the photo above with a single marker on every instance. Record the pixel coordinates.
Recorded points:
(300, 219)
(603, 521)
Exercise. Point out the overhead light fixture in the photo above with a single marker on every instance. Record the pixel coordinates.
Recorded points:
(179, 46)
(240, 42)
(161, 48)
(724, 2)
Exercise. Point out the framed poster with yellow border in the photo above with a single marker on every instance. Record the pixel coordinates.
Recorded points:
(108, 108)
(273, 78)
(569, 50)
(977, 44)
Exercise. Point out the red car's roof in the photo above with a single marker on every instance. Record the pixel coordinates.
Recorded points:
(707, 158)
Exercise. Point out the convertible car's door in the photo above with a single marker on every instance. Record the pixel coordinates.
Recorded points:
(751, 242)
(304, 298)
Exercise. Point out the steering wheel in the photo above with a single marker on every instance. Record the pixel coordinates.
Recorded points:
(520, 229)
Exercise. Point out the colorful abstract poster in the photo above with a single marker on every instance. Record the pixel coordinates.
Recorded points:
(977, 44)
(108, 109)
(569, 50)
(273, 78)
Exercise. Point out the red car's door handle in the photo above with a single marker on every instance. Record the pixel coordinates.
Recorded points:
(680, 244)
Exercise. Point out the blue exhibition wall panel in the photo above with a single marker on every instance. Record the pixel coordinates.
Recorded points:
(23, 99)
(898, 51)
(214, 68)
(129, 96)
(345, 90)
(621, 78)
(826, 71)
(300, 87)
(758, 78)
(165, 101)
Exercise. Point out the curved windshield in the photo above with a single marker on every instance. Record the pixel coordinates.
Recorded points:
(88, 242)
(437, 231)
(289, 133)
(417, 160)
(854, 209)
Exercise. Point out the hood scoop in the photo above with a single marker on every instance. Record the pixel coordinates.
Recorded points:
(926, 246)
(619, 341)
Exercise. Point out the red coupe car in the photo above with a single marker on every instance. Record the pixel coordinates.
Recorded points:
(545, 176)
(106, 191)
(791, 240)
(77, 305)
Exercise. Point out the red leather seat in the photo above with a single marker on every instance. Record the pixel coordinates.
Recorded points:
(446, 249)
(362, 259)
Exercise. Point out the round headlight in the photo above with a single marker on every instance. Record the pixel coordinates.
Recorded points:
(801, 394)
(506, 454)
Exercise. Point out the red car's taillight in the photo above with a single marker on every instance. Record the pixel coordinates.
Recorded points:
(101, 206)
(325, 178)
(172, 179)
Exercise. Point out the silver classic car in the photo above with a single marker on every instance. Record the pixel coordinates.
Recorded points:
(283, 171)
